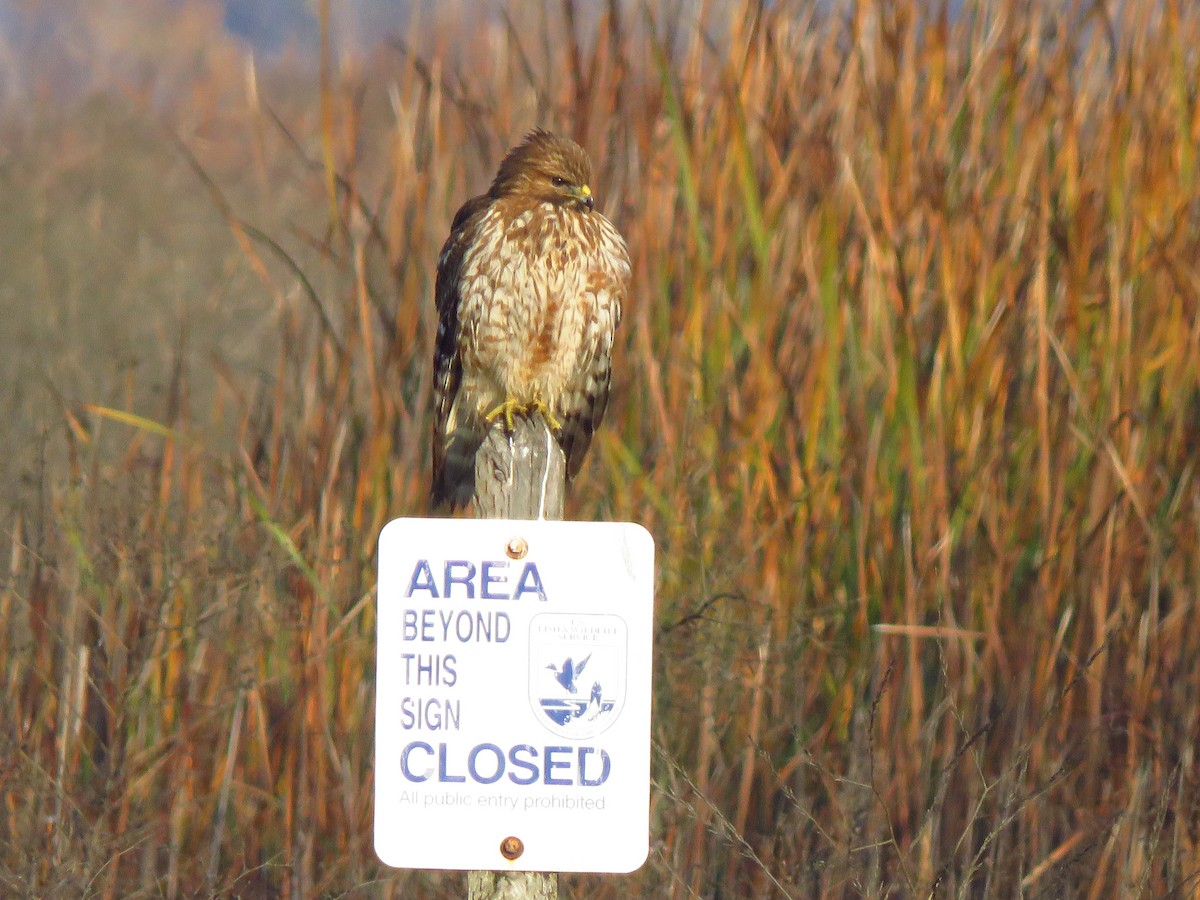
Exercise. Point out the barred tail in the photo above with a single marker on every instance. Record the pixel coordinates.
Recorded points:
(454, 468)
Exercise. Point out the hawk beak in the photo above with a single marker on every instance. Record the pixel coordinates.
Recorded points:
(585, 194)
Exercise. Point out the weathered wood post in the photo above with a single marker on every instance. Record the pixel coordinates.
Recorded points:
(522, 475)
(518, 476)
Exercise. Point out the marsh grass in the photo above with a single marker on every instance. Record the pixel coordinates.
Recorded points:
(908, 394)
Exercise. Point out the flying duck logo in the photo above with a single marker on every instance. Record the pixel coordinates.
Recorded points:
(577, 672)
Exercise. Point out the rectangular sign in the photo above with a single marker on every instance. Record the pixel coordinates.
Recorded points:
(512, 721)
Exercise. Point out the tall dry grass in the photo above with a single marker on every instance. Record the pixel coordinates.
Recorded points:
(908, 394)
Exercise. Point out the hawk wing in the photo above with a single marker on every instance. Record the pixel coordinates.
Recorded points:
(584, 410)
(454, 444)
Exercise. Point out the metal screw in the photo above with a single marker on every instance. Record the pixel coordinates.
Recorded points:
(516, 548)
(511, 848)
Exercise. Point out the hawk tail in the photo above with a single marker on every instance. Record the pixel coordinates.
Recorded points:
(454, 469)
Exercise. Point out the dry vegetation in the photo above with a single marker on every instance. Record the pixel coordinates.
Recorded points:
(909, 395)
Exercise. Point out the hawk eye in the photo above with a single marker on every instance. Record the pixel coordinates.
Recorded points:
(560, 182)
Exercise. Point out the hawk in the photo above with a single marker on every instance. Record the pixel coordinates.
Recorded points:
(530, 285)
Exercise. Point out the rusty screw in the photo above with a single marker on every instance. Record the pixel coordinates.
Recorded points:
(511, 848)
(516, 548)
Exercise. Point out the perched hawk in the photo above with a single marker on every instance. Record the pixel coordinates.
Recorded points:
(529, 291)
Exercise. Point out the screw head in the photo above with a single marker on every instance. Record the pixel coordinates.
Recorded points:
(516, 548)
(511, 847)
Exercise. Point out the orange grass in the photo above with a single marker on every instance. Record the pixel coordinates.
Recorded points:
(908, 393)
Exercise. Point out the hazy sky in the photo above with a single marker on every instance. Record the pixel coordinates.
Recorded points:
(265, 24)
(269, 23)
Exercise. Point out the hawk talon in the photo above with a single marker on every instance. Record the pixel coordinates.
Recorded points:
(539, 407)
(507, 409)
(511, 408)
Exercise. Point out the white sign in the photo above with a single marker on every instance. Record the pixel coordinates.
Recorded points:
(512, 719)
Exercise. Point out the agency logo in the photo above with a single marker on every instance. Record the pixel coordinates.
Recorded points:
(577, 667)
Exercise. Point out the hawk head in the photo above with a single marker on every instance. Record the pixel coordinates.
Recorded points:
(546, 168)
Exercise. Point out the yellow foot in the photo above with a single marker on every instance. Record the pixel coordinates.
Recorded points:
(511, 408)
(539, 407)
(507, 409)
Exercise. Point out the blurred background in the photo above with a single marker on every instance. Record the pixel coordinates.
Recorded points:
(908, 392)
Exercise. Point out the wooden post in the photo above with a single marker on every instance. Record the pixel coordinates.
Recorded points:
(512, 886)
(518, 476)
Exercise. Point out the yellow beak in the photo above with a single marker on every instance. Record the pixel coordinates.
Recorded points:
(585, 194)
